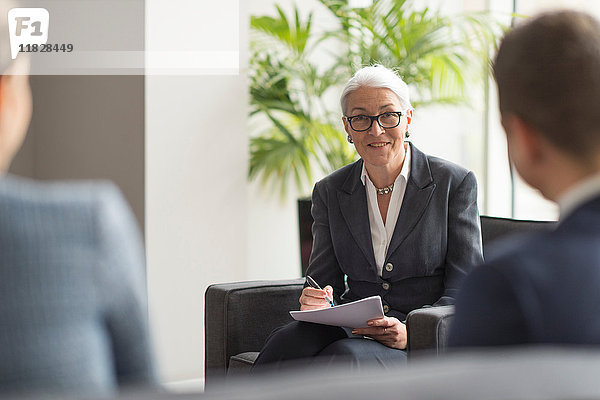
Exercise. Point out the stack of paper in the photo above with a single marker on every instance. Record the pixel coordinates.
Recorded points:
(349, 315)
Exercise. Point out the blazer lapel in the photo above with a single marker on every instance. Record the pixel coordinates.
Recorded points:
(419, 190)
(352, 198)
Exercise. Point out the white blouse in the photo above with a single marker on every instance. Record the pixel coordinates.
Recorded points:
(381, 235)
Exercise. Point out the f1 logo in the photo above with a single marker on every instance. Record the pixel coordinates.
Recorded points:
(27, 26)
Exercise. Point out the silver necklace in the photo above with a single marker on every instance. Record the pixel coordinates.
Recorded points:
(385, 190)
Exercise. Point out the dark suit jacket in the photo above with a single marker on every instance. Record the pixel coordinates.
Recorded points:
(436, 241)
(542, 288)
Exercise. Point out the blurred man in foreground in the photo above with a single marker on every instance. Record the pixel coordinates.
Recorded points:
(545, 288)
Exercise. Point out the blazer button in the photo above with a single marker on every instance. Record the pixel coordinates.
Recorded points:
(385, 285)
(389, 267)
(386, 308)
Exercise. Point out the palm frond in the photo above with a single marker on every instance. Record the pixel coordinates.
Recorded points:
(439, 56)
(294, 35)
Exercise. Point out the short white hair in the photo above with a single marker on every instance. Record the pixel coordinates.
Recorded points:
(377, 76)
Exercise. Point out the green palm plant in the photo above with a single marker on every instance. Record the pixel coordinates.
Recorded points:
(297, 132)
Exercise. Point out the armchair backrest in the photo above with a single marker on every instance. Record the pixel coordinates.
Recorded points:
(493, 228)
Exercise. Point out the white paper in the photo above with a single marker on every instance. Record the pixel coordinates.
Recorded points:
(349, 315)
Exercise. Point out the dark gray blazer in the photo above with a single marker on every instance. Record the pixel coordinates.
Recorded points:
(536, 288)
(436, 241)
(73, 313)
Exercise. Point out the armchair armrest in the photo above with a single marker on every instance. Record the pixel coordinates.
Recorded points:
(239, 317)
(427, 330)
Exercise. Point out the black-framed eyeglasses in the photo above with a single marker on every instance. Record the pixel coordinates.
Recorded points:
(386, 120)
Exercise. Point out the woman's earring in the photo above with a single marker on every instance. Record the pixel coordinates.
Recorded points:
(349, 138)
(406, 134)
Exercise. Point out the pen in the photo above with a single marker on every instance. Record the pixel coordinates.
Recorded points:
(312, 283)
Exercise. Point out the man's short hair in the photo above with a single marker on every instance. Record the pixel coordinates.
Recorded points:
(548, 74)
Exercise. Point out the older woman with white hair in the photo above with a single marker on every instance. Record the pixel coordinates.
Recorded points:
(396, 223)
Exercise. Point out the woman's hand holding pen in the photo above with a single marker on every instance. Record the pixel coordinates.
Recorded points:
(314, 299)
(387, 330)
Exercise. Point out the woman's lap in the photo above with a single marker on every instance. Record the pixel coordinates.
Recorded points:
(361, 352)
(324, 344)
(298, 340)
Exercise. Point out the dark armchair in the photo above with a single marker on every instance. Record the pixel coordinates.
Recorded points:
(239, 316)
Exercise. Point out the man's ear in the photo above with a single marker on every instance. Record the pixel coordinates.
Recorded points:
(525, 144)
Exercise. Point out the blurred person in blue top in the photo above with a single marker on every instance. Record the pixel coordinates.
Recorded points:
(73, 304)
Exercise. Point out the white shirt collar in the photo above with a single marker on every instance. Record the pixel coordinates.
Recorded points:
(404, 173)
(580, 193)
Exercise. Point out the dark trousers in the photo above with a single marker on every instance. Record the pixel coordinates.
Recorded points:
(303, 343)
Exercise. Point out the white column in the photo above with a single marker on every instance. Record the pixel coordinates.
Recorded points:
(196, 163)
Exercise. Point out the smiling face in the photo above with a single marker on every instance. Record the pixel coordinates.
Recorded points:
(381, 149)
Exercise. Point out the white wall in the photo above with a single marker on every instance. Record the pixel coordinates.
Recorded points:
(196, 191)
(195, 208)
